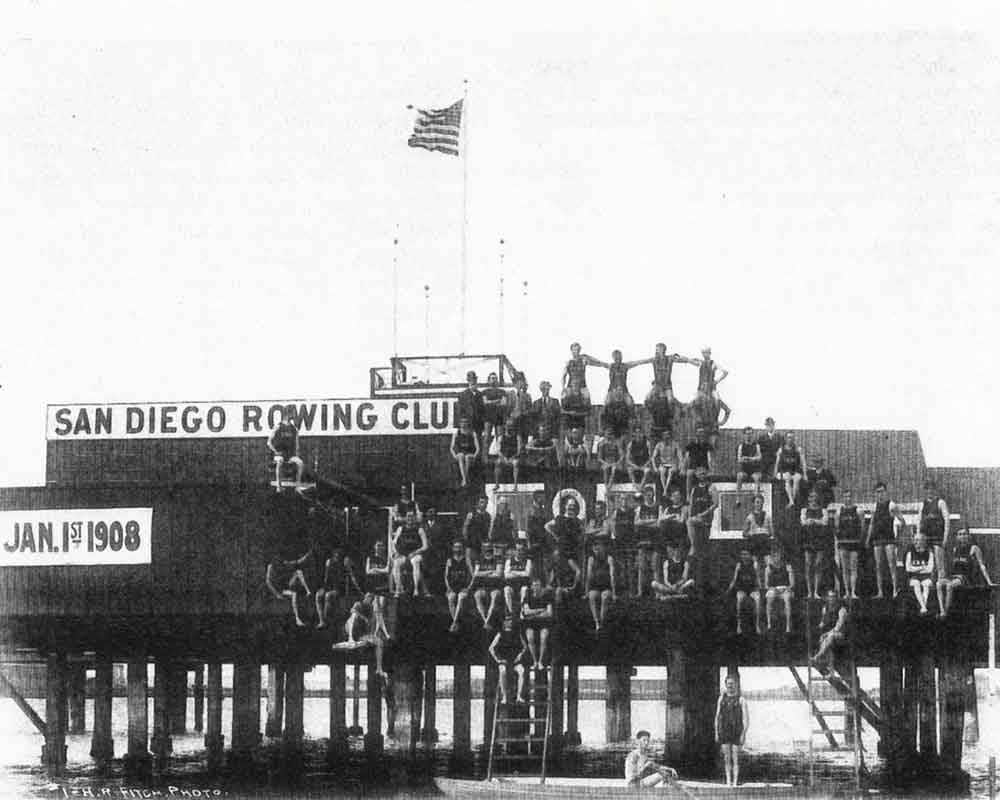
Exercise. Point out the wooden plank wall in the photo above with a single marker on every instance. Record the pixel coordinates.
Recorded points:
(972, 492)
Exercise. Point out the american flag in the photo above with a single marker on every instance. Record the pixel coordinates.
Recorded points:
(438, 129)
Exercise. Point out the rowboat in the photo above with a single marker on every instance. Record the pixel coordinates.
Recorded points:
(585, 788)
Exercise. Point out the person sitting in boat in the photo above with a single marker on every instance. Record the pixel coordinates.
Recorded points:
(732, 718)
(677, 580)
(600, 582)
(564, 578)
(284, 445)
(509, 650)
(536, 619)
(516, 573)
(745, 585)
(833, 621)
(465, 448)
(641, 770)
(967, 567)
(779, 583)
(920, 569)
(409, 543)
(458, 581)
(487, 580)
(609, 455)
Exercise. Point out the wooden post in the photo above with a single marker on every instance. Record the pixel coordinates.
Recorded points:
(618, 718)
(177, 695)
(275, 701)
(430, 732)
(491, 681)
(374, 741)
(338, 746)
(199, 698)
(214, 740)
(137, 759)
(702, 692)
(953, 694)
(674, 739)
(927, 698)
(77, 698)
(572, 737)
(556, 733)
(896, 738)
(102, 745)
(461, 713)
(849, 673)
(971, 732)
(161, 743)
(910, 707)
(294, 709)
(246, 710)
(54, 749)
(408, 691)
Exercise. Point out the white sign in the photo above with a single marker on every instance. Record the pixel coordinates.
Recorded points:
(85, 536)
(207, 420)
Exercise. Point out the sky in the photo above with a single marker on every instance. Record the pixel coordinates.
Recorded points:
(200, 202)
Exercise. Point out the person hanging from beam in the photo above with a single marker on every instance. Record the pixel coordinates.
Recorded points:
(284, 445)
(967, 569)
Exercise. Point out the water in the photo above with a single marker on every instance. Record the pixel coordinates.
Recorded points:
(777, 738)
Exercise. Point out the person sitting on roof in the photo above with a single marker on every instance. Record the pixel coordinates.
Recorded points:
(600, 582)
(509, 650)
(836, 617)
(284, 444)
(748, 464)
(638, 458)
(677, 580)
(967, 567)
(494, 409)
(746, 584)
(509, 453)
(920, 569)
(465, 448)
(779, 583)
(409, 543)
(458, 581)
(575, 394)
(609, 454)
(536, 619)
(641, 770)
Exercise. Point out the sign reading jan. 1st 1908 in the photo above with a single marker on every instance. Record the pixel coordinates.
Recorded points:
(87, 536)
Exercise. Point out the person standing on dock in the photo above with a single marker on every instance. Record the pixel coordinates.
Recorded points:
(732, 720)
(284, 445)
(935, 524)
(847, 523)
(641, 770)
(494, 409)
(885, 519)
(815, 538)
(469, 404)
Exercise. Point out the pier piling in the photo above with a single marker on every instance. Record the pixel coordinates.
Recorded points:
(177, 694)
(407, 687)
(161, 743)
(618, 716)
(102, 745)
(572, 737)
(676, 716)
(137, 759)
(429, 734)
(77, 698)
(374, 741)
(54, 749)
(926, 686)
(294, 709)
(555, 733)
(461, 714)
(338, 745)
(214, 740)
(953, 694)
(491, 681)
(275, 701)
(246, 711)
(199, 698)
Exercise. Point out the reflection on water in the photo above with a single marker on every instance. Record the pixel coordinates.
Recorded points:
(776, 727)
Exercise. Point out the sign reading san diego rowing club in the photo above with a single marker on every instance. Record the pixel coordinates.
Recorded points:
(233, 419)
(85, 536)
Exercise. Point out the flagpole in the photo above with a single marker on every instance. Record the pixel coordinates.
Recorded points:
(395, 295)
(500, 321)
(465, 202)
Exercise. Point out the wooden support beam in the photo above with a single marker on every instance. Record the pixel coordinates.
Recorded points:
(927, 703)
(275, 701)
(102, 744)
(11, 691)
(491, 681)
(199, 698)
(407, 687)
(338, 746)
(214, 740)
(911, 703)
(702, 694)
(54, 749)
(76, 687)
(896, 739)
(462, 713)
(161, 743)
(177, 697)
(557, 700)
(971, 733)
(246, 710)
(953, 696)
(618, 703)
(675, 736)
(374, 741)
(429, 734)
(137, 759)
(572, 737)
(294, 708)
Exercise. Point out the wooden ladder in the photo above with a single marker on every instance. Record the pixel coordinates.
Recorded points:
(522, 729)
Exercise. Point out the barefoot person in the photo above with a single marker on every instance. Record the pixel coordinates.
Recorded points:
(458, 581)
(935, 523)
(286, 579)
(732, 719)
(487, 581)
(758, 532)
(409, 544)
(509, 650)
(600, 582)
(663, 366)
(465, 448)
(638, 458)
(847, 523)
(881, 538)
(703, 500)
(833, 621)
(779, 584)
(967, 567)
(609, 455)
(641, 770)
(377, 572)
(748, 463)
(667, 460)
(575, 394)
(284, 445)
(565, 578)
(745, 585)
(516, 574)
(920, 570)
(697, 454)
(815, 539)
(789, 467)
(677, 580)
(536, 619)
(509, 453)
(648, 545)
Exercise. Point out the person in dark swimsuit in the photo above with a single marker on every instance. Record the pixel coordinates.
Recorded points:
(610, 456)
(334, 584)
(834, 621)
(502, 528)
(638, 458)
(377, 573)
(600, 582)
(575, 394)
(746, 585)
(667, 460)
(789, 467)
(547, 411)
(487, 581)
(707, 403)
(286, 579)
(284, 445)
(536, 619)
(409, 543)
(519, 407)
(494, 409)
(935, 524)
(476, 528)
(509, 453)
(538, 540)
(673, 521)
(663, 365)
(465, 448)
(732, 719)
(779, 583)
(541, 451)
(847, 523)
(881, 538)
(649, 549)
(618, 393)
(677, 580)
(967, 569)
(404, 504)
(748, 463)
(624, 542)
(458, 581)
(516, 574)
(815, 541)
(575, 449)
(509, 650)
(564, 578)
(703, 500)
(758, 532)
(920, 570)
(820, 479)
(770, 441)
(566, 531)
(697, 454)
